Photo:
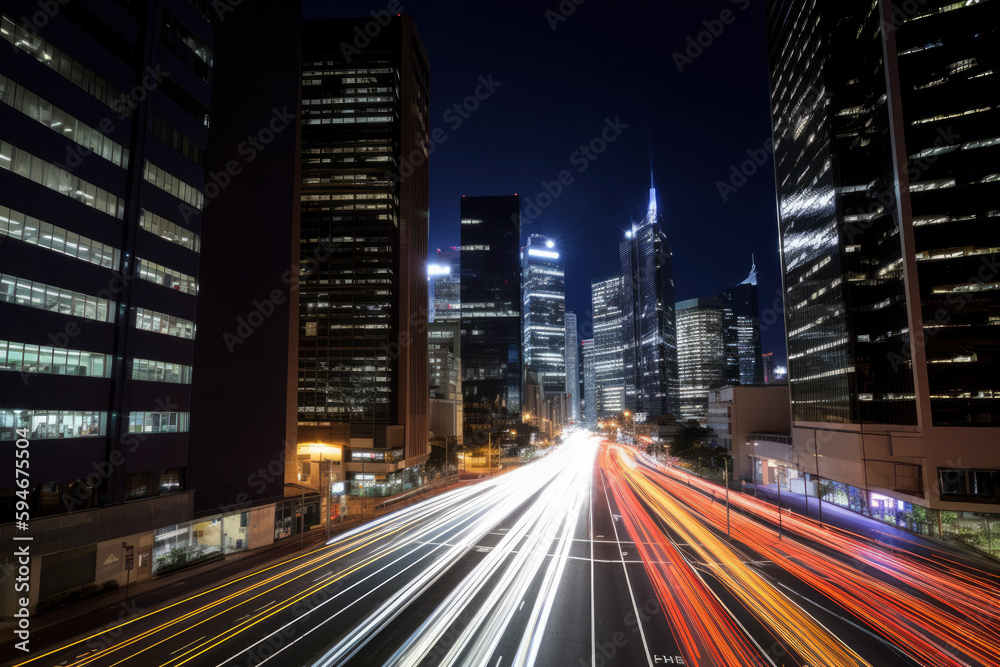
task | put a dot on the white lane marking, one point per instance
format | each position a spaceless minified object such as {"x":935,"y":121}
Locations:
{"x":521,"y":606}
{"x":265,"y":606}
{"x":593,"y":612}
{"x":628,"y":582}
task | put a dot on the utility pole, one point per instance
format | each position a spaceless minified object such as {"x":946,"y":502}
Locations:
{"x":302,"y":519}
{"x":819,"y":495}
{"x":781,"y":474}
{"x":726,"y":464}
{"x":325,"y":476}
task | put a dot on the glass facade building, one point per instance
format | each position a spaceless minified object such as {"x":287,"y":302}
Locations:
{"x":609,"y":349}
{"x":543,"y":315}
{"x":589,"y":382}
{"x":885,"y":121}
{"x":649,"y":335}
{"x":104,"y":114}
{"x":491,"y":310}
{"x":364,"y":215}
{"x":701,"y":354}
{"x":445,"y":283}
{"x":839,"y":215}
{"x":573,"y":366}
{"x":742,"y":332}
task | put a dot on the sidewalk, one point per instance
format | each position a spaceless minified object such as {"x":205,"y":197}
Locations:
{"x":99,"y":612}
{"x":845,"y":519}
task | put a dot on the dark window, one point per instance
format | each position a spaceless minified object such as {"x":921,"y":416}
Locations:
{"x":983,"y":483}
{"x":46,"y":499}
{"x":83,"y":494}
{"x":138,"y":485}
{"x":178,"y":141}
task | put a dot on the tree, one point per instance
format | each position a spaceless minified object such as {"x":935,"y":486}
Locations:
{"x":695,"y":444}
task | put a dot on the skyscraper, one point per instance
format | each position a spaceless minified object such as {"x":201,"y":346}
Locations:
{"x":491,"y":311}
{"x":767,"y":360}
{"x":543,"y":317}
{"x":742,"y":332}
{"x":363,"y":288}
{"x":884,"y":121}
{"x":589,"y":382}
{"x":445,"y":283}
{"x":573,"y":366}
{"x":701,"y":354}
{"x":649,"y":322}
{"x":104,"y":114}
{"x":609,"y":350}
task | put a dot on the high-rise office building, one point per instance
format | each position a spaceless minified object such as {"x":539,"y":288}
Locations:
{"x":104,"y":114}
{"x":884,"y":119}
{"x":701,"y":354}
{"x":589,"y":382}
{"x":649,"y":336}
{"x":767,"y":361}
{"x":445,"y":285}
{"x":742,"y":332}
{"x":363,"y":377}
{"x":572,"y":367}
{"x":543,"y":316}
{"x":491,"y":312}
{"x":609,"y":350}
{"x":445,"y":371}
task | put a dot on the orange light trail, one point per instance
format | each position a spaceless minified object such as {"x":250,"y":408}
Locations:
{"x":937,"y":611}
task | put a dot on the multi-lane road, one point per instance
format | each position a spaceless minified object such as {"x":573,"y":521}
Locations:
{"x":592,"y":555}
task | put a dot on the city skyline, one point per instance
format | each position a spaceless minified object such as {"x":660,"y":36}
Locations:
{"x":726,"y":185}
{"x":455,"y":333}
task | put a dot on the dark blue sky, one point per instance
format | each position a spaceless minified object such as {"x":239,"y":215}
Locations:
{"x":557,"y":88}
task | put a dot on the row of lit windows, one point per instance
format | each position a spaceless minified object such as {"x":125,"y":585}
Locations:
{"x":54,"y":299}
{"x":24,"y":164}
{"x":160,"y":371}
{"x":150,"y":320}
{"x":161,"y":275}
{"x":158,"y":422}
{"x":31,"y":230}
{"x":342,"y":121}
{"x":173,"y":185}
{"x":59,"y":61}
{"x":167,"y":230}
{"x":52,"y":424}
{"x":26,"y":358}
{"x":56,"y":119}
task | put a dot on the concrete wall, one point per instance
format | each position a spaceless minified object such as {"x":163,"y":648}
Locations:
{"x":874,"y":456}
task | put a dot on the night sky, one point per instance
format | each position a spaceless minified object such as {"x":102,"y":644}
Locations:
{"x":557,"y":88}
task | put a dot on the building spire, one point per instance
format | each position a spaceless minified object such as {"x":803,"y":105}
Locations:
{"x":752,"y":278}
{"x":651,"y":211}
